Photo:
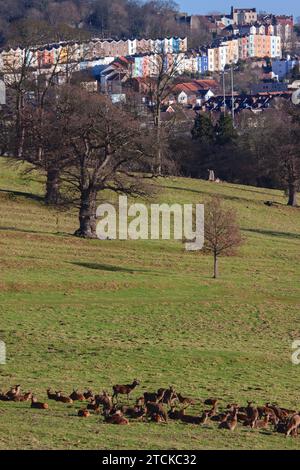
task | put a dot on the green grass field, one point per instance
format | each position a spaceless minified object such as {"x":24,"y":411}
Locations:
{"x":76,"y":313}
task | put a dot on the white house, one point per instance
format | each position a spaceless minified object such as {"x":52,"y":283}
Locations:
{"x":193,"y":97}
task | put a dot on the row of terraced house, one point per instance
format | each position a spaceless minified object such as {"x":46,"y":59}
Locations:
{"x":230,"y":50}
{"x":72,"y":51}
{"x":98,"y":52}
{"x":212,"y":58}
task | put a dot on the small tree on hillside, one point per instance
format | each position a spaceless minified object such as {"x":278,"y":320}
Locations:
{"x":221,"y":230}
{"x":203,"y":129}
{"x":225,"y":131}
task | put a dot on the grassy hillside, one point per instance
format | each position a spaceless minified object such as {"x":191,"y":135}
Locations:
{"x":78,"y":313}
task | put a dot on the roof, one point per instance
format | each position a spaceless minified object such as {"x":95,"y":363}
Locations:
{"x":195,"y":86}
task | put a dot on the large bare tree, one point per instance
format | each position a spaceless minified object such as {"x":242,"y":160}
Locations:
{"x":108,"y":150}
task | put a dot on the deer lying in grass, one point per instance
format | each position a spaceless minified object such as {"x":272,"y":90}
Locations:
{"x":212,"y":401}
{"x":231,"y":421}
{"x":26,"y":397}
{"x":214,"y":410}
{"x":124,"y":389}
{"x":83,"y":413}
{"x":3,"y":396}
{"x":88,"y":394}
{"x":77,"y":396}
{"x":173,"y":413}
{"x":157,"y":418}
{"x":204,"y":418}
{"x":116,"y":418}
{"x":220,"y":418}
{"x":135,"y":412}
{"x":93,"y":405}
{"x":52,"y":395}
{"x":13,"y":392}
{"x":263,"y":423}
{"x":185,"y":400}
{"x":190,"y":419}
{"x":63,"y":398}
{"x":38,"y":404}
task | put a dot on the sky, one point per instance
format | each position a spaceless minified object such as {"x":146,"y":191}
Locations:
{"x":286,"y":7}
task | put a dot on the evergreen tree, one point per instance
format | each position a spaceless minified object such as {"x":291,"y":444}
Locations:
{"x":225,"y":131}
{"x":203,"y":129}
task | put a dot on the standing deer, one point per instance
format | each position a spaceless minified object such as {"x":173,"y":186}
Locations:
{"x":125,"y":389}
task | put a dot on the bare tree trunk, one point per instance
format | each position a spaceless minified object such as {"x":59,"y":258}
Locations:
{"x":52,"y":187}
{"x":87,"y":215}
{"x":157,"y":170}
{"x":20,"y":131}
{"x":292,"y":191}
{"x":216,"y":266}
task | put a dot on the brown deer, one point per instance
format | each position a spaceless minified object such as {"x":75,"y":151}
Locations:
{"x":157,"y":418}
{"x":169,"y":395}
{"x":278,"y":412}
{"x":214,"y":410}
{"x":3,"y":396}
{"x":190,"y":419}
{"x":174,"y":414}
{"x":251,"y":411}
{"x":231,"y":422}
{"x":220,"y":418}
{"x":185,"y":400}
{"x":38,"y":405}
{"x":293,"y":424}
{"x":13,"y":392}
{"x":83,"y":413}
{"x":88,"y":394}
{"x":52,"y":395}
{"x":154,"y":397}
{"x":140,"y":401}
{"x":152,"y":408}
{"x":26,"y":397}
{"x":116,"y":418}
{"x":136,"y":412}
{"x":264,"y":410}
{"x":204,"y":418}
{"x":212,"y":401}
{"x":93,"y":405}
{"x":281,"y":426}
{"x":124,"y":389}
{"x":264,"y":423}
{"x":105,"y":400}
{"x":77,"y":396}
{"x":63,"y":398}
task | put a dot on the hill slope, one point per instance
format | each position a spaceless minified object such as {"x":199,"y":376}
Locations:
{"x":77,"y":314}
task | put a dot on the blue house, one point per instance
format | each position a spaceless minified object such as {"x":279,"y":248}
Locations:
{"x":202,"y":64}
{"x":283,"y":67}
{"x":176,"y":45}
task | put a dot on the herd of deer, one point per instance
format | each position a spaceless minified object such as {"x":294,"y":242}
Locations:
{"x":167,"y":404}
